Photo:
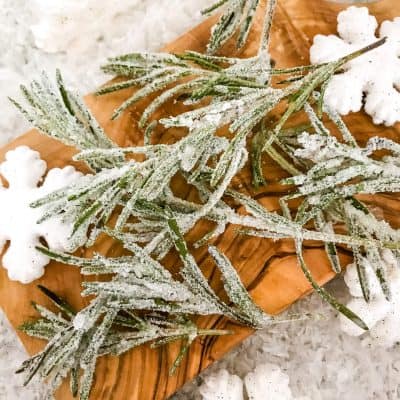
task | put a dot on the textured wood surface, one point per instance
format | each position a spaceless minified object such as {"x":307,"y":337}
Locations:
{"x":268,"y":269}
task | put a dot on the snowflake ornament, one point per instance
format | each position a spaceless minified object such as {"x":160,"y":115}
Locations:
{"x":24,"y":170}
{"x":222,"y":386}
{"x":381,"y":316}
{"x":375,"y":74}
{"x":268,"y":382}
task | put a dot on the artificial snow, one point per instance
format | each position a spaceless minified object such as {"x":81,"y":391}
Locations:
{"x":321,"y":361}
{"x":375,"y":74}
{"x":24,"y":170}
{"x":266,"y":382}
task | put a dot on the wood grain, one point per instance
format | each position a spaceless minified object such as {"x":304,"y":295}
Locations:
{"x":269,"y":269}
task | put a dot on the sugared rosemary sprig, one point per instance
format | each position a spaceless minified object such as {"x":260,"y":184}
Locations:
{"x":145,"y":303}
{"x":77,"y":339}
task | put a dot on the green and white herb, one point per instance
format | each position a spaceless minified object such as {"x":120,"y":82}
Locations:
{"x":143,"y":302}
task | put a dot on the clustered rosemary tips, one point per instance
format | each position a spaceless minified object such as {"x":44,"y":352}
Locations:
{"x":238,"y":16}
{"x":143,"y":302}
{"x":77,"y":339}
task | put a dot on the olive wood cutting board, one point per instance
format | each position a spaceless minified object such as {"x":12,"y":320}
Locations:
{"x":268,"y":269}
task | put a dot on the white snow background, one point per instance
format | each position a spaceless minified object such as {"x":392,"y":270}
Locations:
{"x":77,"y":36}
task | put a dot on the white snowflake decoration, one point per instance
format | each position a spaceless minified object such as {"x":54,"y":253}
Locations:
{"x":381,"y":316}
{"x":24,"y":170}
{"x":268,"y":382}
{"x":375,"y":75}
{"x":222,"y":386}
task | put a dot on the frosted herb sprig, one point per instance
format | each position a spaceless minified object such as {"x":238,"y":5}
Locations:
{"x":343,"y":170}
{"x":92,"y":200}
{"x":62,"y":115}
{"x":204,"y":76}
{"x":336,"y":171}
{"x":139,"y":284}
{"x":77,"y":339}
{"x":240,"y":93}
{"x":160,"y":217}
{"x":142,"y":283}
{"x":339,"y":172}
{"x":121,"y":181}
{"x":143,"y":302}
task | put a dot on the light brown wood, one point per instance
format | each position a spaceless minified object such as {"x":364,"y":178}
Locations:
{"x":269,"y":269}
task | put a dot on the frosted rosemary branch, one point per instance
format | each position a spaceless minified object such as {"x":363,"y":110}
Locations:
{"x":204,"y":75}
{"x":77,"y":339}
{"x":340,"y":171}
{"x":139,"y":284}
{"x":62,"y":115}
{"x":142,"y":283}
{"x":240,"y":91}
{"x":142,"y":190}
{"x":316,"y":79}
{"x":143,"y":302}
{"x":335,"y":172}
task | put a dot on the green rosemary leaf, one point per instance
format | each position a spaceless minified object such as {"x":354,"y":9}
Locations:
{"x":155,"y":85}
{"x":215,"y":6}
{"x":256,"y":153}
{"x":88,"y":360}
{"x":59,"y":302}
{"x":237,"y":293}
{"x":247,"y":22}
{"x":362,"y":274}
{"x":324,"y":294}
{"x":330,"y":247}
{"x":229,"y":21}
{"x":41,"y":328}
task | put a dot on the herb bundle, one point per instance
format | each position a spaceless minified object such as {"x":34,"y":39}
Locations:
{"x":143,"y":302}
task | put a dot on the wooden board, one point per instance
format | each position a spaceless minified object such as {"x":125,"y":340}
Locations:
{"x":268,"y":269}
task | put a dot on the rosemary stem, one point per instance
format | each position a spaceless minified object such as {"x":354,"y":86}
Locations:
{"x":293,"y":70}
{"x":363,"y":50}
{"x":283,"y":163}
{"x":213,"y":7}
{"x":214,"y":332}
